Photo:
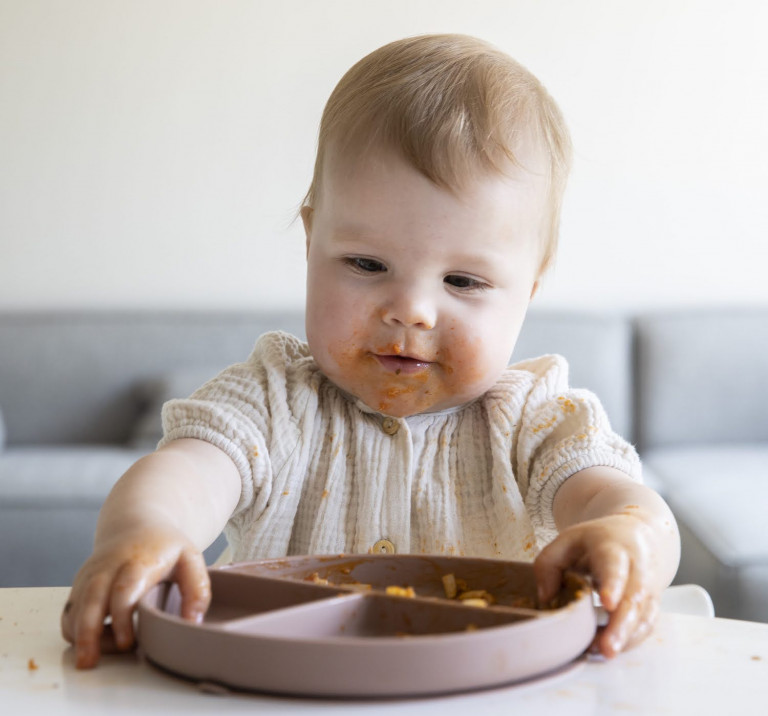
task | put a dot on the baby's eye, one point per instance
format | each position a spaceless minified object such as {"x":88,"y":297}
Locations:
{"x":464,"y":283}
{"x":365,"y":265}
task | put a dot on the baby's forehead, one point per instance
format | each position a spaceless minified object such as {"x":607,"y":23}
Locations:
{"x":528,"y":169}
{"x":370,"y":199}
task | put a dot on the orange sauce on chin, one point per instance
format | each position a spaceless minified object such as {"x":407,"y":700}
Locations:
{"x":401,"y":394}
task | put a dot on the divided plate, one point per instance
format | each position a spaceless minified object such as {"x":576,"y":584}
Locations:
{"x":326,"y":626}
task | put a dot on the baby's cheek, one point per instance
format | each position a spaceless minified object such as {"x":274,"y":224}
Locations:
{"x":345,"y":353}
{"x":466,"y":366}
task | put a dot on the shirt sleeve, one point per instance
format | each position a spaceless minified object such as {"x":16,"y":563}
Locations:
{"x":238,"y":411}
{"x":562,"y":430}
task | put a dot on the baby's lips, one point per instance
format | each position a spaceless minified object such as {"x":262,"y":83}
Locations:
{"x":402,"y":365}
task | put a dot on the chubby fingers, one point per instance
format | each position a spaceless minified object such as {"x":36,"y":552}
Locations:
{"x":552,"y":562}
{"x":611,"y":568}
{"x":117,"y":592}
{"x":632,"y":607}
{"x":618,"y":580}
{"x":191,"y":574}
{"x":83,"y":620}
{"x":621,"y":580}
{"x":136,"y":578}
{"x":630,"y":621}
{"x":131,"y":583}
{"x":605,"y":561}
{"x":646,"y":623}
{"x":67,"y":630}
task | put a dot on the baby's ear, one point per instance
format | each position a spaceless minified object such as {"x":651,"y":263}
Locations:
{"x":306,"y":218}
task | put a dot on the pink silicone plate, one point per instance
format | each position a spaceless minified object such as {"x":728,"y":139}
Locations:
{"x":327,"y":626}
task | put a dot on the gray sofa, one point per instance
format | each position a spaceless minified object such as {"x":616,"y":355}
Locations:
{"x":80,"y":395}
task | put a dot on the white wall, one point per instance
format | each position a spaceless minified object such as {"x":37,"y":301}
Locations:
{"x":152,"y":152}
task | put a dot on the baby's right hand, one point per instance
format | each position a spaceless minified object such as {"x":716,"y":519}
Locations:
{"x":112,"y":581}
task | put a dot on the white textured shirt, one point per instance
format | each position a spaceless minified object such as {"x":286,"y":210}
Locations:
{"x":322,"y":473}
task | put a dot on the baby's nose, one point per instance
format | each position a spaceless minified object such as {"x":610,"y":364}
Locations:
{"x":411,"y":309}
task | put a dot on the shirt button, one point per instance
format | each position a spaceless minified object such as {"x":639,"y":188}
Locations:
{"x":383,"y":546}
{"x":390,"y":426}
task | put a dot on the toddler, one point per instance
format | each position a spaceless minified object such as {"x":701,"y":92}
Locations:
{"x":398,"y":427}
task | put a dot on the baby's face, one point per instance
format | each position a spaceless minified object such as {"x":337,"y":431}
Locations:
{"x":416,"y":296}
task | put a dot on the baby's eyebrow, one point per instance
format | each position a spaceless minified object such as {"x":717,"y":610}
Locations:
{"x":352,"y":239}
{"x":353,"y":232}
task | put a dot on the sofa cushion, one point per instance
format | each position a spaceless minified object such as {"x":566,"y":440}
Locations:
{"x":61,"y":475}
{"x":176,"y":384}
{"x":71,"y":377}
{"x":598,"y":348}
{"x":720,"y":494}
{"x":702,"y":377}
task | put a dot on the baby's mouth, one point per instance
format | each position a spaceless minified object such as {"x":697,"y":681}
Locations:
{"x":402,"y":365}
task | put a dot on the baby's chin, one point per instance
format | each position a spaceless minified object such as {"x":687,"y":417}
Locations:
{"x":401,"y":396}
{"x":405,"y":406}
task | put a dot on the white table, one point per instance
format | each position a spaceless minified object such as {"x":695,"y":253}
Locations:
{"x":690,"y":665}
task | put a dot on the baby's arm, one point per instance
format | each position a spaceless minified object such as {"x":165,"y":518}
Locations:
{"x":153,"y":526}
{"x":624,"y":535}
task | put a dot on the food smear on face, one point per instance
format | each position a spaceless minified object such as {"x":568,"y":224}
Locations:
{"x":391,"y":393}
{"x":401,"y":379}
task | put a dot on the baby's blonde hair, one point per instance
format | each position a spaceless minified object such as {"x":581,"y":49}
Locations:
{"x":454,"y":106}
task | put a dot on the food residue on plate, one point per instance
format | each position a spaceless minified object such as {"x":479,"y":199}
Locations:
{"x":449,"y":586}
{"x":317,"y":579}
{"x":455,"y":589}
{"x":395,"y":591}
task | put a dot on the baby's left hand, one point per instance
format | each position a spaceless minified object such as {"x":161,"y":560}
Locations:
{"x":617,"y":552}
